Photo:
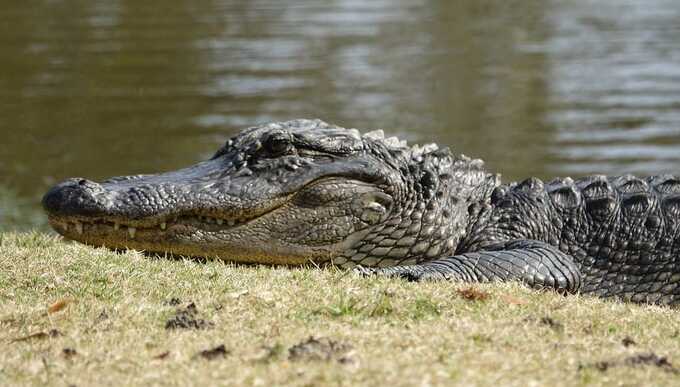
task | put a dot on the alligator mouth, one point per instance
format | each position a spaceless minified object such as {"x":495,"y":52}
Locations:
{"x":119,"y":228}
{"x":85,"y":226}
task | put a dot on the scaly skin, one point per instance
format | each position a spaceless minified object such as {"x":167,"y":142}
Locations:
{"x":306,"y":191}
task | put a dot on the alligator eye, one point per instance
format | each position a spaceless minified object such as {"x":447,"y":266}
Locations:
{"x":278,"y":144}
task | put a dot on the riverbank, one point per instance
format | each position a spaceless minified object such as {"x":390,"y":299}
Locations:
{"x":74,"y":315}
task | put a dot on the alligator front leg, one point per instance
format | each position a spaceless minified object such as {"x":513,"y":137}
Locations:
{"x":535,"y":263}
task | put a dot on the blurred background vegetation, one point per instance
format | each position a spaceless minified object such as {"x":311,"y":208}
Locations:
{"x":99,"y":88}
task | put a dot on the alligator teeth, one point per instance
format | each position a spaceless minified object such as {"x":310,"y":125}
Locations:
{"x":132,"y":231}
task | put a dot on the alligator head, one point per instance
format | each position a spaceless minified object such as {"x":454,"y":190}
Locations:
{"x":284,"y":193}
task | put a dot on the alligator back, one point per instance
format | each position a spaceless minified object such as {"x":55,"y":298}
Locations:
{"x":623,"y":232}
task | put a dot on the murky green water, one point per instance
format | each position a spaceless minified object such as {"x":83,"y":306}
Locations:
{"x":108,"y":87}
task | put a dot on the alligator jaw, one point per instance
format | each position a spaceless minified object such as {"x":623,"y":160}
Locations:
{"x":82,"y":228}
{"x":163,"y":234}
{"x":191,"y":236}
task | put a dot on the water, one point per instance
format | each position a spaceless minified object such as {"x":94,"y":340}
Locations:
{"x":108,"y":87}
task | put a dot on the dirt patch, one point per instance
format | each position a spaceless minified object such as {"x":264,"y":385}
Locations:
{"x":98,"y":323}
{"x":320,"y":349}
{"x":187,"y":318}
{"x":628,"y":342}
{"x":213,"y":353}
{"x":552,"y":323}
{"x":174,"y":301}
{"x":653,"y":360}
{"x":69,"y":353}
{"x":101,"y":317}
{"x":641,"y":359}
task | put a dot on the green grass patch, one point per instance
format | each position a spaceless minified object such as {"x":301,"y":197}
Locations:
{"x":71,"y":314}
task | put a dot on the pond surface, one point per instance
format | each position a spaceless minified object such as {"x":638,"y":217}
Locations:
{"x":99,"y":88}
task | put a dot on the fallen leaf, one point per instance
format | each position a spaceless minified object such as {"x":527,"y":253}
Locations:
{"x":162,"y":355}
{"x":57,"y":306}
{"x":472,"y":294}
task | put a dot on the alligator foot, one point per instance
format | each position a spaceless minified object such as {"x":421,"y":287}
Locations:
{"x":537,"y":264}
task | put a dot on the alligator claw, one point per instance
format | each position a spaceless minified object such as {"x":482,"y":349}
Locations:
{"x":416,"y":274}
{"x":408,"y":275}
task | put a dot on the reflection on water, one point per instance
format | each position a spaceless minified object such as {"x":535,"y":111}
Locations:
{"x":615,"y":86}
{"x":99,"y":88}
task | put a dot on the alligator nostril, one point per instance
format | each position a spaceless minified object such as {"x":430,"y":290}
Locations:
{"x":73,"y":197}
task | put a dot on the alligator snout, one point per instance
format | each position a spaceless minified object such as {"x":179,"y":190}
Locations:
{"x":74,"y":197}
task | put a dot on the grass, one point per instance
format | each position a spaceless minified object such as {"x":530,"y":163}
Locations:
{"x":74,"y":315}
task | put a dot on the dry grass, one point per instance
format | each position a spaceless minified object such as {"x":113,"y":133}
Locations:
{"x":73,"y":315}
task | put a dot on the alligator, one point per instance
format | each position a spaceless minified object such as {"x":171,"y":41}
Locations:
{"x":305,"y":191}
